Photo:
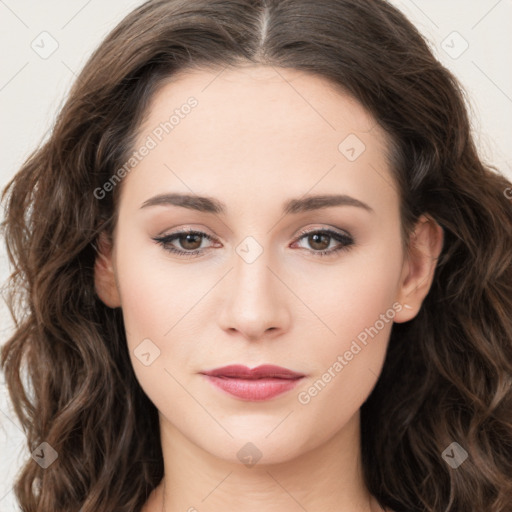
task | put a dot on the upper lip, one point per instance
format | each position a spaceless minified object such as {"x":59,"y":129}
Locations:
{"x":260,"y":372}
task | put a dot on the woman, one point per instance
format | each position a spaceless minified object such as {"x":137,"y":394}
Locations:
{"x":262,"y":266}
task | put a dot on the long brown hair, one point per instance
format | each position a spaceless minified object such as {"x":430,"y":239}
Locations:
{"x":448,"y":372}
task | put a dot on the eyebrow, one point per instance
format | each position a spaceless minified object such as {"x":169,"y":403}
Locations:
{"x":292,"y":206}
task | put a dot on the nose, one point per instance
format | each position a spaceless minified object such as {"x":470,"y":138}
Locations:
{"x":255,"y":301}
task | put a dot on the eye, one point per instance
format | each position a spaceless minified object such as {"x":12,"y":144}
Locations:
{"x":320,"y":241}
{"x":188,"y":239}
{"x":190,"y":242}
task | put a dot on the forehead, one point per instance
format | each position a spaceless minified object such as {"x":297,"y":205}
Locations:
{"x":258,"y":127}
{"x":264,"y":97}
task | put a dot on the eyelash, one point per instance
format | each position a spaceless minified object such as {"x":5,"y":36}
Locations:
{"x":346,"y":240}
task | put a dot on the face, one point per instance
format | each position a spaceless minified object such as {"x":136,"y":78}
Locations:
{"x":269,"y":275}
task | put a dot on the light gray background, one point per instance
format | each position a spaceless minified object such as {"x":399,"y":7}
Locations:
{"x":32,"y":89}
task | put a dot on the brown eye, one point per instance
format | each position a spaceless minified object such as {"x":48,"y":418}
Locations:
{"x":319,"y":241}
{"x":190,"y":241}
{"x":184,"y":243}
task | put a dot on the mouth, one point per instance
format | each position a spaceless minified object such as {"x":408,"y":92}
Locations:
{"x":257,"y":384}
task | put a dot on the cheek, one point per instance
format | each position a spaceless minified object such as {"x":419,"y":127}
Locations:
{"x":155,"y":292}
{"x":351,"y":296}
{"x":151,"y":313}
{"x":155,"y":301}
{"x":358,"y":307}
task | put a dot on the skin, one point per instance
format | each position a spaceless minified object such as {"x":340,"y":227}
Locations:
{"x":258,"y":137}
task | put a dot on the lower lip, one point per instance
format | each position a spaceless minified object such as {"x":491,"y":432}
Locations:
{"x":253,"y":389}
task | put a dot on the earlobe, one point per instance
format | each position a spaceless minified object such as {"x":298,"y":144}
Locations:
{"x":425,"y":246}
{"x":104,"y":277}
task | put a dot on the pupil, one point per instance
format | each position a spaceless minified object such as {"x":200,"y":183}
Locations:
{"x":316,"y":239}
{"x":190,"y":239}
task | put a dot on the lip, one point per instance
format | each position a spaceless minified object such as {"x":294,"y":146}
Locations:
{"x":256,"y":384}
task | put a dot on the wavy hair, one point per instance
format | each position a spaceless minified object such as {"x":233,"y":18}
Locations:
{"x":447,"y":376}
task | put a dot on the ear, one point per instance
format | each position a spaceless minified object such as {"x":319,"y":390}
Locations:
{"x":425,"y":245}
{"x":104,"y":277}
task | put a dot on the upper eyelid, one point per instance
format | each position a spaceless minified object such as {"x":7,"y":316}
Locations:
{"x":300,"y":233}
{"x":329,"y":229}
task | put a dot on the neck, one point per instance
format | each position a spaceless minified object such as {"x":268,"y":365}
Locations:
{"x":328,"y":478}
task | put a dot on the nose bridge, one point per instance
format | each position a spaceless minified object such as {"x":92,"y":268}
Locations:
{"x":251,"y":273}
{"x":254,"y":297}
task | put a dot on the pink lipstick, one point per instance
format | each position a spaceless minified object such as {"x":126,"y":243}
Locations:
{"x":260,"y":383}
